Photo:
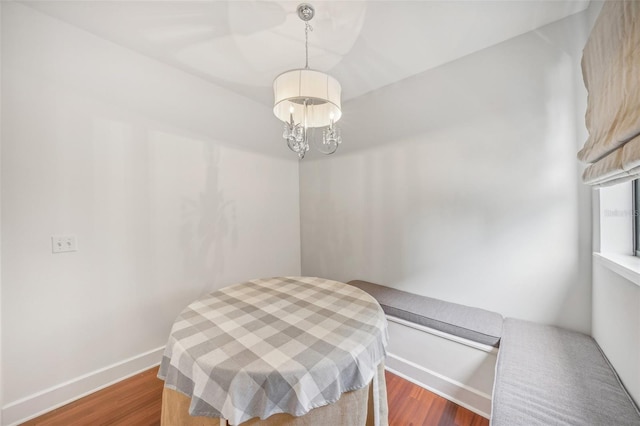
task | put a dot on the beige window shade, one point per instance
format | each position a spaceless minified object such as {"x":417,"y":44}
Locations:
{"x":611,"y":71}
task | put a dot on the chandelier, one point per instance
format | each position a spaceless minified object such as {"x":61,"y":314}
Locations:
{"x":306,"y":100}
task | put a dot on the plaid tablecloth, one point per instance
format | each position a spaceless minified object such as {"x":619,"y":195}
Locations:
{"x":276,"y":345}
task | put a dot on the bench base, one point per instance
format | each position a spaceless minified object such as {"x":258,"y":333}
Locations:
{"x":455,"y":368}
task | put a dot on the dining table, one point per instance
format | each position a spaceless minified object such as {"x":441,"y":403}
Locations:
{"x":277,"y":351}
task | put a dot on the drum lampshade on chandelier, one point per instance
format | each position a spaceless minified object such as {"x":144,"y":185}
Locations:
{"x":307,"y":99}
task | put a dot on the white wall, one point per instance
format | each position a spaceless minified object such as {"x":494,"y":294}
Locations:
{"x":616,"y":324}
{"x":1,"y":376}
{"x":163,"y":180}
{"x":461,"y":183}
{"x":616,"y":284}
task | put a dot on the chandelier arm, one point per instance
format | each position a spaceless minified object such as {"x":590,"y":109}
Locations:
{"x":306,"y":101}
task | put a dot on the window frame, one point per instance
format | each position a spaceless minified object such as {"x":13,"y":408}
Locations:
{"x":635,"y":194}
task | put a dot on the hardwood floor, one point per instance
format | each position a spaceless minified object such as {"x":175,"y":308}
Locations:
{"x":411,"y":405}
{"x":134,"y":401}
{"x":137,"y":402}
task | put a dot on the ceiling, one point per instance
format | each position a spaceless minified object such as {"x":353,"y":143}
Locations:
{"x":243,"y":45}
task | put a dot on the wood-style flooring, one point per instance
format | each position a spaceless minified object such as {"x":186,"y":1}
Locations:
{"x":137,"y":401}
{"x":412,"y":405}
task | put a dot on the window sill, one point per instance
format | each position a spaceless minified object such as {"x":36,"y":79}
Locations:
{"x":625,"y":265}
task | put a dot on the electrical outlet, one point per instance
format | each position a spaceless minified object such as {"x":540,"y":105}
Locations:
{"x":63,"y":243}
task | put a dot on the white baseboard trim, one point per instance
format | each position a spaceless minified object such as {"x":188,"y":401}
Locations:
{"x":465,"y":396}
{"x":49,"y":399}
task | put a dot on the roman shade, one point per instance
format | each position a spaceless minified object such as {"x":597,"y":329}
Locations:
{"x":611,"y":72}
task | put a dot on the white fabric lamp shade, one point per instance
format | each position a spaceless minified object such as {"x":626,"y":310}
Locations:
{"x":291,"y":88}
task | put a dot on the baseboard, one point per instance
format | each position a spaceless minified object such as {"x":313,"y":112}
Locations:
{"x":472,"y":399}
{"x":56,"y":396}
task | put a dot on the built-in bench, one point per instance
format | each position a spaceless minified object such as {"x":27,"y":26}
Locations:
{"x":547,"y":375}
{"x":445,"y":347}
{"x":544,"y":375}
{"x":467,"y":322}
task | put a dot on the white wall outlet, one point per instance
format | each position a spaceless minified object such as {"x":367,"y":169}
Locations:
{"x":63,"y":243}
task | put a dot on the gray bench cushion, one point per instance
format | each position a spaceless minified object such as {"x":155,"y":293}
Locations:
{"x":551,"y":376}
{"x":464,"y":321}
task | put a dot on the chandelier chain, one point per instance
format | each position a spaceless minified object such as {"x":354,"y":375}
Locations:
{"x":307,"y":28}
